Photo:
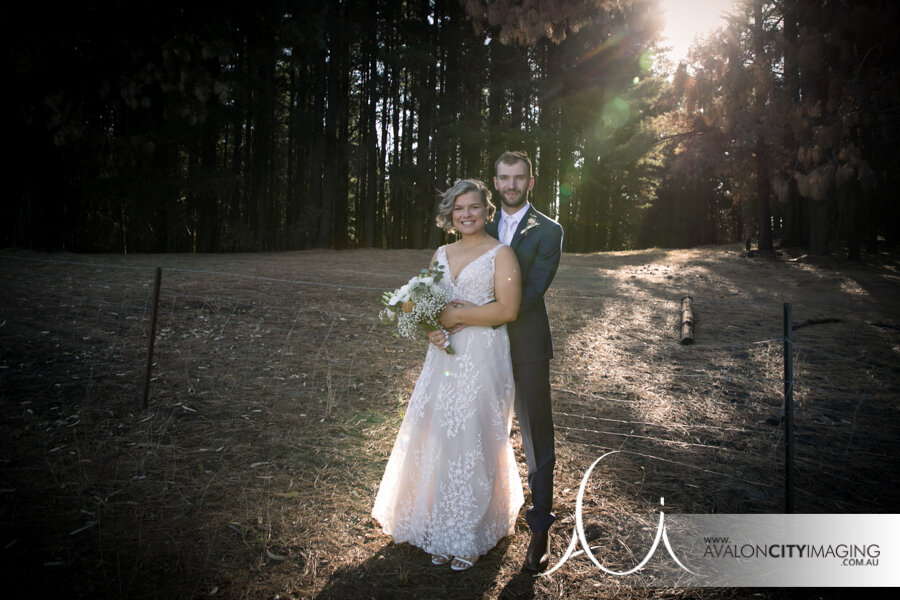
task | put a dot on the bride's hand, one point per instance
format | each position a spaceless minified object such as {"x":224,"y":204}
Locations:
{"x":457,"y":328}
{"x":449,"y":316}
{"x":439,"y":337}
{"x":462,"y":304}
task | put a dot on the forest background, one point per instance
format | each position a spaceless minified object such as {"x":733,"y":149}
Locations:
{"x":218,"y":127}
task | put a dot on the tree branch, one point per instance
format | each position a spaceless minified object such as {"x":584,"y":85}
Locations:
{"x":682,"y":135}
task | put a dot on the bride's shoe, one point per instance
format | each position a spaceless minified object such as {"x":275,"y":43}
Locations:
{"x":461,"y":564}
{"x":439,"y":559}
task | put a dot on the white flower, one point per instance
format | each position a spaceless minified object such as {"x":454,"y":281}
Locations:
{"x":401,"y":295}
{"x":387,"y":315}
{"x":532,"y":222}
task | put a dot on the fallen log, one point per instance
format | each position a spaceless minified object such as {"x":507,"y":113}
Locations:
{"x":687,"y":320}
{"x":884,"y":325}
{"x":816,"y":322}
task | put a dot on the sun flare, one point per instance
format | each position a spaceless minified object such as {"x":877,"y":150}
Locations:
{"x":686,"y":19}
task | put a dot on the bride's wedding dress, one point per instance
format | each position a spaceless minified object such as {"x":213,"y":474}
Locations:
{"x":451,"y":485}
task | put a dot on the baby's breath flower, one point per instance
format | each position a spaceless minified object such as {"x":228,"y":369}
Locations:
{"x":417,"y":305}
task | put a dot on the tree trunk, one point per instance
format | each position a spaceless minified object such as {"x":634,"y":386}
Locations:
{"x":497,"y":103}
{"x":763,"y":185}
{"x":792,"y":231}
{"x":370,"y":139}
{"x":813,"y":87}
{"x":848,"y":205}
{"x":262,"y":150}
{"x":341,"y":233}
{"x":794,"y":218}
{"x":332,"y":153}
{"x":763,"y":193}
{"x":548,"y":176}
{"x":320,"y":229}
{"x":206,"y":221}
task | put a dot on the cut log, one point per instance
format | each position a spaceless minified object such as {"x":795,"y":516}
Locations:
{"x":884,"y":325}
{"x":687,"y":320}
{"x":816,"y":322}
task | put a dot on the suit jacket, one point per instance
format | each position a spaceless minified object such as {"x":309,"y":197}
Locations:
{"x":538,"y":246}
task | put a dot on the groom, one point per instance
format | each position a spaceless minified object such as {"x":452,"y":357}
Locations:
{"x":537,"y":242}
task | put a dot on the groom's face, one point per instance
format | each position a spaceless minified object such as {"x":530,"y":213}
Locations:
{"x":513,"y":182}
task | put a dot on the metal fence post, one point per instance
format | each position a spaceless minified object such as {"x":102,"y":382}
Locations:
{"x":152,"y":336}
{"x":788,"y":412}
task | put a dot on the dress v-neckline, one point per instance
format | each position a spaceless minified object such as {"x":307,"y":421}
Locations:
{"x":455,"y":278}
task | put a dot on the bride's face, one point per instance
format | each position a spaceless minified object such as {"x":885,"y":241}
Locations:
{"x":469,"y":213}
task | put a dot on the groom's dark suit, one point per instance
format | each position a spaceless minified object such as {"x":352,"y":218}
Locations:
{"x":538,"y":246}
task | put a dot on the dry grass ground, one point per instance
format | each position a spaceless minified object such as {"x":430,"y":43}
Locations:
{"x":276,"y":396}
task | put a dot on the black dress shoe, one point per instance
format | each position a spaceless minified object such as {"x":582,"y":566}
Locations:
{"x":538,"y":555}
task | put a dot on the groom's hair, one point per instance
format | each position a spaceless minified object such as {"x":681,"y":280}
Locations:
{"x":511,"y":157}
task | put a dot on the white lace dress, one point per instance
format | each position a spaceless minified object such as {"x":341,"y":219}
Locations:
{"x":451,"y":485}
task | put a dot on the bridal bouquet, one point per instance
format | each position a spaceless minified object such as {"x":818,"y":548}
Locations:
{"x":417,"y":305}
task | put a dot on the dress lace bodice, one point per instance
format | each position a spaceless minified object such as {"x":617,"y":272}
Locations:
{"x":476,"y":280}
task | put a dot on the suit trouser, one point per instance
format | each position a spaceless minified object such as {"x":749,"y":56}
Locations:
{"x":536,"y":427}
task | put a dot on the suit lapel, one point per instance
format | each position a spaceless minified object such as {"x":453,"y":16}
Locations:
{"x":517,"y":238}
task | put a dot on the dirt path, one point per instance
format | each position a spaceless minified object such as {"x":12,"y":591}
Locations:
{"x":276,"y":396}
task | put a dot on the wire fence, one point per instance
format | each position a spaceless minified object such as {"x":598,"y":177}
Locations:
{"x":705,"y":422}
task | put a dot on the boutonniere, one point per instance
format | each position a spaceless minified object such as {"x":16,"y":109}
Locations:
{"x":532,"y":222}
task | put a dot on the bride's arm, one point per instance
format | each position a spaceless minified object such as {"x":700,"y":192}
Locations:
{"x":507,"y":291}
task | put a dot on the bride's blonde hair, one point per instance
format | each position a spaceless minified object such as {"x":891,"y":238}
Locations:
{"x":447,"y":198}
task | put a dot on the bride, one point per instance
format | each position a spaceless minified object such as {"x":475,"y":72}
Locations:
{"x":451,"y":486}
